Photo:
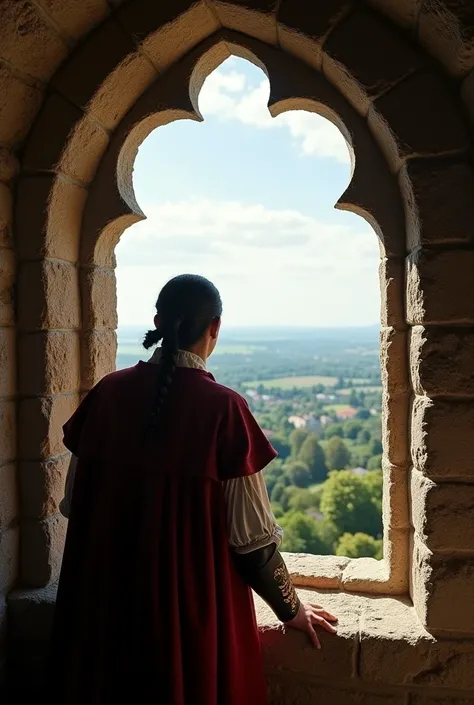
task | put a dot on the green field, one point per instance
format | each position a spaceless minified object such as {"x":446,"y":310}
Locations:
{"x":293,"y":382}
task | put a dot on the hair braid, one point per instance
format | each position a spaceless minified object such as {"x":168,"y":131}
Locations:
{"x":166,"y":368}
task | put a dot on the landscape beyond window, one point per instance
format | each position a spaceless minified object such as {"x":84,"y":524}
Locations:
{"x":300,"y":338}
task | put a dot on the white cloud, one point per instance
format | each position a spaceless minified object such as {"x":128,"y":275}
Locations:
{"x":272,"y":265}
{"x":226,"y":95}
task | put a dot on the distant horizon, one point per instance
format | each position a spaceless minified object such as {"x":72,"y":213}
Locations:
{"x":254,"y":326}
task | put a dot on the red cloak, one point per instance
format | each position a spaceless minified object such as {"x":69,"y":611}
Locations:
{"x":150,"y":608}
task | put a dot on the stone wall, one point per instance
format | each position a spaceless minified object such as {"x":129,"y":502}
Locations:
{"x":81,"y":85}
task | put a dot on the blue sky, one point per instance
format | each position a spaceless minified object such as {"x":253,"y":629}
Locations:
{"x":248,"y":201}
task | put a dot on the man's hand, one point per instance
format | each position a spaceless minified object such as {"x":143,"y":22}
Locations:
{"x":311,"y":616}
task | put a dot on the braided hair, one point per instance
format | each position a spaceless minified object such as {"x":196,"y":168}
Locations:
{"x":186,"y":307}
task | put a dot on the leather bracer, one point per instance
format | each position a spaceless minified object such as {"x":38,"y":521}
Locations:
{"x":264,"y":570}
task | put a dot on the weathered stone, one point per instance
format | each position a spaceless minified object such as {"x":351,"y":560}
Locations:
{"x":9,"y":554}
{"x":42,"y":486}
{"x":404,"y":12}
{"x":28,"y":42}
{"x":99,"y":298}
{"x":9,"y":169}
{"x":366,"y":575}
{"x":75,"y":143}
{"x":321,"y":572}
{"x":117,"y":75}
{"x":443,"y":590}
{"x":441,"y":361}
{"x":428,"y":698}
{"x":392,"y":293}
{"x":446,"y":30}
{"x":303,"y":34}
{"x":166,"y":31}
{"x":295,"y":692}
{"x":6,"y":216}
{"x":394,"y":361}
{"x":442,"y":514}
{"x":49,"y":363}
{"x":395,"y":497}
{"x":8,"y":495}
{"x":99,"y":351}
{"x":7,"y":278}
{"x":76,"y":18}
{"x":19,"y":104}
{"x":41,"y":421}
{"x":442,"y":438}
{"x":467,"y":93}
{"x":42,"y":544}
{"x":440,"y":287}
{"x":51,"y":224}
{"x":396,"y":556}
{"x":401,"y":136}
{"x":7,"y":431}
{"x":7,"y":362}
{"x":364,"y":57}
{"x":395,"y":415}
{"x":438,"y":200}
{"x":48,"y":296}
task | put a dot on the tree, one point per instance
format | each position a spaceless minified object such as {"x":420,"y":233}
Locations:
{"x":375,"y":463}
{"x":297,"y":438}
{"x":337,"y":454}
{"x":376,"y":447}
{"x":352,"y":429}
{"x":359,"y":545}
{"x":348,"y":503}
{"x":363,"y":414}
{"x":301,"y":500}
{"x":363,"y":437}
{"x":299,"y":473}
{"x":304,"y":534}
{"x":277,"y":492}
{"x":281,"y":446}
{"x":334,"y":429}
{"x":312,"y":454}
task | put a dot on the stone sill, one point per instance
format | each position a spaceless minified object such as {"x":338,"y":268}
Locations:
{"x":339,"y":573}
{"x":380,"y":646}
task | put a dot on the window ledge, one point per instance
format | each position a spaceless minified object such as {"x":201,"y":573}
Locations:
{"x":380,"y":645}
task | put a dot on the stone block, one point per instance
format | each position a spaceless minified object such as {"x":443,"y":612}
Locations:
{"x":367,"y":575}
{"x":99,"y":351}
{"x":404,"y":12}
{"x":441,"y":361}
{"x":42,"y":486}
{"x":442,"y":438}
{"x":397,"y":560}
{"x":401,"y":136}
{"x":257,"y":18}
{"x":19,"y":104}
{"x":8,"y":495}
{"x":467,"y":93}
{"x":75,"y":143}
{"x":395,"y":437}
{"x":48,"y":217}
{"x":427,"y":698}
{"x":293,"y":691}
{"x":76,"y":18}
{"x":443,"y":590}
{"x":302,"y":34}
{"x":28,"y":42}
{"x":99,"y":298}
{"x":48,"y":296}
{"x":7,"y":279}
{"x":42,"y":544}
{"x":40,"y":425}
{"x":365,"y":56}
{"x":9,"y":167}
{"x":395,"y":496}
{"x":49,"y":363}
{"x":445,"y":29}
{"x":396,"y":650}
{"x":439,"y":206}
{"x":394,"y":361}
{"x":440,"y":287}
{"x":7,"y":362}
{"x":6,"y":216}
{"x":9,"y":554}
{"x":117,"y":75}
{"x":442,"y":514}
{"x":7,"y":431}
{"x":392,"y":292}
{"x":167,"y":31}
{"x":321,"y":572}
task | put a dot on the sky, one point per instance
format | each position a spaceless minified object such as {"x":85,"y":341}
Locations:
{"x":247,"y":200}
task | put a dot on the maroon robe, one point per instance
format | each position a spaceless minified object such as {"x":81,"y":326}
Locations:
{"x":150,"y":608}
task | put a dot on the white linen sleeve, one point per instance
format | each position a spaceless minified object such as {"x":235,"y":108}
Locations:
{"x":65,"y":504}
{"x":250,"y":520}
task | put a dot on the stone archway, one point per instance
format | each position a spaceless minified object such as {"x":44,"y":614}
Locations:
{"x":65,"y":286}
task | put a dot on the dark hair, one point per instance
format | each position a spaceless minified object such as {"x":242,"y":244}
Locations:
{"x":186,"y":306}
